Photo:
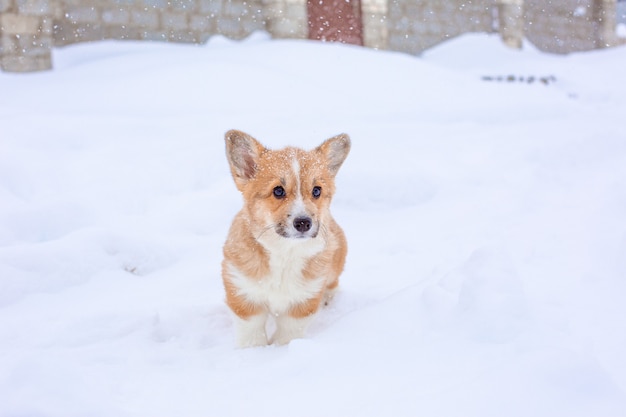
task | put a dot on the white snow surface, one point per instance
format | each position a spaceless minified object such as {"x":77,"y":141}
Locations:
{"x":486,"y":224}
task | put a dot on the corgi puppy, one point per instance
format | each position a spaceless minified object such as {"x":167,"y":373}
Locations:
{"x":284,"y":251}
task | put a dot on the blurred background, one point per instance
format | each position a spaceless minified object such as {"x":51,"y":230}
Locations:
{"x":31,"y":29}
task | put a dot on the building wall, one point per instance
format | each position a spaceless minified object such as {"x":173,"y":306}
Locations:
{"x":416,"y":25}
{"x":561,"y":26}
{"x":375,"y":30}
{"x":162,"y":20}
{"x":30,"y":29}
{"x":571,"y":25}
{"x":25,"y":35}
{"x":286,"y":18}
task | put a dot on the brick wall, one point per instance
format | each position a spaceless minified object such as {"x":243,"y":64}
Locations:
{"x":25,"y":35}
{"x":163,"y":20}
{"x":286,"y":18}
{"x":29,"y":29}
{"x":557,"y":26}
{"x":416,"y":25}
{"x":571,"y":25}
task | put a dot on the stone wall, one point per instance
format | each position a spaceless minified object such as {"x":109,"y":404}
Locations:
{"x":561,"y":26}
{"x":286,"y":18}
{"x":29,"y":29}
{"x":571,"y":25}
{"x":163,"y":20}
{"x":375,"y":30}
{"x":25,"y":35}
{"x":416,"y":25}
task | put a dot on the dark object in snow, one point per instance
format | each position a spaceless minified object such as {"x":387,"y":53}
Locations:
{"x":546,"y":80}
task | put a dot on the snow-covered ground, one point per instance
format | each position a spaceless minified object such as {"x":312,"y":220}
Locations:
{"x":486,"y":222}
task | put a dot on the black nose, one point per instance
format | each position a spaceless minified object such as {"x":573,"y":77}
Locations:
{"x":302,"y":224}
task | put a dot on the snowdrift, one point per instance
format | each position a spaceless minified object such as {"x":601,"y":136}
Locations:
{"x":485,"y":220}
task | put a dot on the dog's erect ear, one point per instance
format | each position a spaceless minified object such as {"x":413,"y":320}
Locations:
{"x":335,"y":150}
{"x":243,"y":152}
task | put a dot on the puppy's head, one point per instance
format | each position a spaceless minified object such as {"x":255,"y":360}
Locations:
{"x":286,"y":192}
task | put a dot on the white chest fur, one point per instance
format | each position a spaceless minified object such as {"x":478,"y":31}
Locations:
{"x":285,"y":285}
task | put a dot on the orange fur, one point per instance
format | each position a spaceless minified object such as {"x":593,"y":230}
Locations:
{"x":271,"y":264}
{"x":238,"y":304}
{"x":307,"y":308}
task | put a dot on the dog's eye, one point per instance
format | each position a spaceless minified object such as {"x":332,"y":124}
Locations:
{"x":317,"y":192}
{"x":279,"y":192}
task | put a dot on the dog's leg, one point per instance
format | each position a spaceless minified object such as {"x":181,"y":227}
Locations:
{"x":288,"y":328}
{"x":251,"y":331}
{"x":293,"y":324}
